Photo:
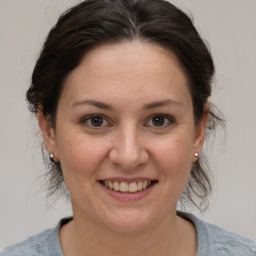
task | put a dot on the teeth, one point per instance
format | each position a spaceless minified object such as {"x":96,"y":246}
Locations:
{"x":125,"y":187}
{"x":116,"y":186}
{"x":110,"y":185}
{"x":133,"y":187}
{"x":144,"y":184}
{"x":139,"y":186}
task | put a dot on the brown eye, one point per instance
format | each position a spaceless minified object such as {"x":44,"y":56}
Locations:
{"x":158,"y":121}
{"x":96,"y":121}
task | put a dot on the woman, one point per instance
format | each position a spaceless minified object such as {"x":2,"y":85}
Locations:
{"x":121,"y":93}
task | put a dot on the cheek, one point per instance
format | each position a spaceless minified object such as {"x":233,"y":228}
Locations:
{"x":80,"y":160}
{"x":80,"y":155}
{"x":174,"y":156}
{"x":172,"y":159}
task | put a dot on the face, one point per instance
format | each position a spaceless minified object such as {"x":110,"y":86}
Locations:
{"x":125,"y":136}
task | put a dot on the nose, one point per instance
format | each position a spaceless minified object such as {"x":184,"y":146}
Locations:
{"x":128,"y":149}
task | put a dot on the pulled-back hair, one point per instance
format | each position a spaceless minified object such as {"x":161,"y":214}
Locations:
{"x":96,"y":22}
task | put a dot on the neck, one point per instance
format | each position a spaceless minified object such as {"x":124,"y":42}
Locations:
{"x":173,"y":236}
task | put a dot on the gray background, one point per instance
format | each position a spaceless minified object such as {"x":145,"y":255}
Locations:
{"x":228,"y":25}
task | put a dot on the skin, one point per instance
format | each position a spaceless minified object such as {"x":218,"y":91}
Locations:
{"x":127,"y":77}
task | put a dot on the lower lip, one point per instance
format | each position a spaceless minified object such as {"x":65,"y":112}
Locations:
{"x":122,"y":196}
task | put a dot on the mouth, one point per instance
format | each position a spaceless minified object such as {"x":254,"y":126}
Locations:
{"x":128,"y":187}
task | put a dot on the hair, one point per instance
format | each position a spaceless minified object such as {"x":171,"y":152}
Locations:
{"x":95,"y":22}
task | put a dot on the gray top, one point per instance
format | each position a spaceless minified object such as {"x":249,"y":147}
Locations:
{"x":212,"y":241}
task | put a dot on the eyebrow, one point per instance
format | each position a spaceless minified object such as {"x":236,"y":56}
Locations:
{"x":94,"y":103}
{"x":149,"y":106}
{"x":161,"y":103}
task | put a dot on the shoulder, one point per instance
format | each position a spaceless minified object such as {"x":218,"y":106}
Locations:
{"x":45,"y":243}
{"x":227,"y":243}
{"x":35,"y":245}
{"x":213,"y":240}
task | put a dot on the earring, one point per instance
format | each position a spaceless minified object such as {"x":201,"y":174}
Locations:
{"x":196,"y":154}
{"x":52,"y":156}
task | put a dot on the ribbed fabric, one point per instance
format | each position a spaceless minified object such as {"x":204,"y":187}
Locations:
{"x":43,"y":244}
{"x":212,"y":241}
{"x":215,"y":241}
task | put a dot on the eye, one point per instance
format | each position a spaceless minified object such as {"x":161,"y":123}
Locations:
{"x":95,"y":121}
{"x":160,"y":120}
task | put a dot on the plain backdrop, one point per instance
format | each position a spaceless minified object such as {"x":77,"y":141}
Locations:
{"x":228,"y":26}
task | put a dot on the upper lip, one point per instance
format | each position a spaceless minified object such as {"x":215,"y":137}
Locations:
{"x":128,"y":180}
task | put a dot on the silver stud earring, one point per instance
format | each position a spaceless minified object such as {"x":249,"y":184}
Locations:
{"x":52,"y":156}
{"x":196,"y":154}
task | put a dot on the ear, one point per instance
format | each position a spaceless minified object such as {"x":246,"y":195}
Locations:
{"x":48,"y":134}
{"x":200,"y":132}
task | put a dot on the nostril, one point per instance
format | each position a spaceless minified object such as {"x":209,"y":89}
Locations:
{"x":128,"y":154}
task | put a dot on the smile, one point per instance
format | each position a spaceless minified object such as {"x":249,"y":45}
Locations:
{"x":126,"y":187}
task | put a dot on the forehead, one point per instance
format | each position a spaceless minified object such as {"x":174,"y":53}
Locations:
{"x":127,"y":69}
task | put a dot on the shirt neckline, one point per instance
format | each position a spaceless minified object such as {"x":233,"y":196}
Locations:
{"x":201,"y":231}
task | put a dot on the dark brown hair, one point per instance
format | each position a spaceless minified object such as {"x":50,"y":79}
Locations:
{"x":96,"y":22}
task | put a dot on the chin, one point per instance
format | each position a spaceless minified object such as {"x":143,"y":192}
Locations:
{"x":130,"y":222}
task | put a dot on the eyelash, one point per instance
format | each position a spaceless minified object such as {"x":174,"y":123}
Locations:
{"x":88,"y":118}
{"x":168,"y":118}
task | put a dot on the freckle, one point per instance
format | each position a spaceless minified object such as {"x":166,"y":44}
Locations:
{"x":69,"y":143}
